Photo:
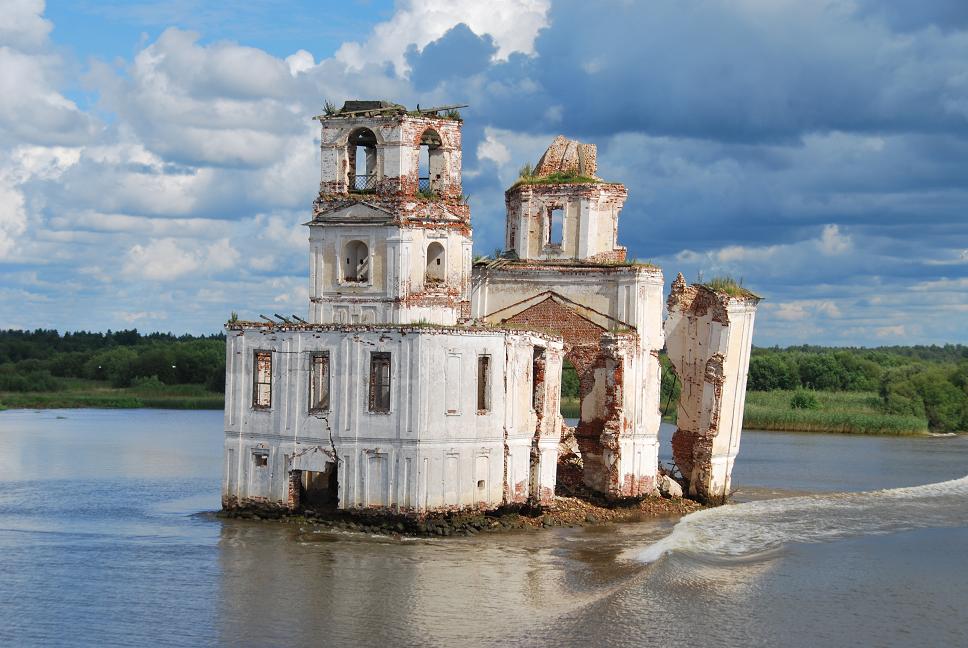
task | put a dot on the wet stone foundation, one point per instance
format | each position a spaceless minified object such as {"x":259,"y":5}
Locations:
{"x":565,"y":511}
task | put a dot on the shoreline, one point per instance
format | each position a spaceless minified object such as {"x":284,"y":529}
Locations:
{"x":752,"y":421}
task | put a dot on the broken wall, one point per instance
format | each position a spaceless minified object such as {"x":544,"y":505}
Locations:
{"x":610,"y":320}
{"x":708,"y":338}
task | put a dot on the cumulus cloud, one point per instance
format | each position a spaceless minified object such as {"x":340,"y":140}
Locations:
{"x":815,"y":150}
{"x":512,"y":24}
{"x":24,"y":26}
{"x":167,"y":259}
{"x":32,"y":110}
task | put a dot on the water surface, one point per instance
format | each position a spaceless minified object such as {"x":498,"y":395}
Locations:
{"x":101,"y":543}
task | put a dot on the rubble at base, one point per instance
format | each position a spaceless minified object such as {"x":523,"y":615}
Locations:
{"x":565,"y":512}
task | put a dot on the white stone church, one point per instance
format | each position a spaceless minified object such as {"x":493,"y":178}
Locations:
{"x":423,"y":381}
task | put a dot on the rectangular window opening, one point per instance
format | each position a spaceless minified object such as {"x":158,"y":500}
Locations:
{"x":483,"y":384}
{"x":319,"y":382}
{"x":262,"y":380}
{"x":260,"y":460}
{"x":556,"y":221}
{"x":379,"y":382}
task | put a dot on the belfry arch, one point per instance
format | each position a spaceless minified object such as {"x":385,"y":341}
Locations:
{"x":431,"y":163}
{"x":362,"y":156}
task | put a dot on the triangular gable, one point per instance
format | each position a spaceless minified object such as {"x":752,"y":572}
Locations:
{"x":597,"y":318}
{"x":356,"y":212}
{"x":555,"y":315}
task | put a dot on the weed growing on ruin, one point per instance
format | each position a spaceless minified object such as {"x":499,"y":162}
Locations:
{"x":727,"y":285}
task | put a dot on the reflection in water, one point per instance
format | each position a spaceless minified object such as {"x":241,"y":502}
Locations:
{"x":102,"y":543}
{"x":381,"y":591}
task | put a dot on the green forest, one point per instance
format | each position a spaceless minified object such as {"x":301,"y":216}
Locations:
{"x":895,"y":390}
{"x":884,"y":390}
{"x":44,"y":368}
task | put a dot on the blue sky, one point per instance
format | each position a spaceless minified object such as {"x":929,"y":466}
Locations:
{"x":156,"y":158}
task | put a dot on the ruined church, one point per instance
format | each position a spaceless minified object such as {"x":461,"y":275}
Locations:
{"x":424,"y":380}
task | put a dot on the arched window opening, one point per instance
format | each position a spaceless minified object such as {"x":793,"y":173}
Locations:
{"x":356,"y":262}
{"x":361,"y":152}
{"x":436,"y":265}
{"x":430,"y":163}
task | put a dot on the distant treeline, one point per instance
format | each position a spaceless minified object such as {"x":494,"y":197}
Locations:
{"x":40,"y":360}
{"x":925,"y":381}
{"x":928,"y":382}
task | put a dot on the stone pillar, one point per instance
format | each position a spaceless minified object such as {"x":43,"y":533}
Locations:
{"x":708,"y":335}
{"x":547,"y":435}
{"x":295,"y":482}
{"x":618,"y":453}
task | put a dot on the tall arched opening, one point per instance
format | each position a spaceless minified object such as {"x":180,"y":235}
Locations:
{"x":356,"y":262}
{"x":361,"y":152}
{"x":436,"y":264}
{"x":430,"y":163}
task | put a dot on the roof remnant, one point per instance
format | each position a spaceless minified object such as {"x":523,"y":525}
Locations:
{"x":568,"y":157}
{"x":372,"y":108}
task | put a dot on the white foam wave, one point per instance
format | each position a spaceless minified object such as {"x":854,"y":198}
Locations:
{"x":755,"y":527}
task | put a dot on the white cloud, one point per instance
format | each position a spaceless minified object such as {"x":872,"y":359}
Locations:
{"x":221,"y":104}
{"x":491,"y":148}
{"x":301,"y":61}
{"x":798,"y":310}
{"x":513,"y":24}
{"x":132,"y":317}
{"x":23,"y":25}
{"x":167,"y":259}
{"x":31,"y":108}
{"x":13,"y":217}
{"x":832,"y":242}
{"x":890,"y":331}
{"x":791,"y":312}
{"x":735,"y":259}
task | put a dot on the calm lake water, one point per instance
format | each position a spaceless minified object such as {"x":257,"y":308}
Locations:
{"x":102,"y":543}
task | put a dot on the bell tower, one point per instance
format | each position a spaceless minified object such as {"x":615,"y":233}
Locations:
{"x":390,"y":237}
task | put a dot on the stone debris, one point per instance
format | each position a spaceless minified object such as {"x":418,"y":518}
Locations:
{"x":669,"y":487}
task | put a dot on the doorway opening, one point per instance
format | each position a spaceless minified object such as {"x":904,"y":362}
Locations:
{"x":320,"y":489}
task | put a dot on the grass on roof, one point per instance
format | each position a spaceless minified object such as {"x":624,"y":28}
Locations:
{"x":554,"y":178}
{"x":729,"y":286}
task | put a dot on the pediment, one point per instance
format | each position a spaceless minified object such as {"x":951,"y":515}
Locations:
{"x":358,"y":212}
{"x":548,"y":302}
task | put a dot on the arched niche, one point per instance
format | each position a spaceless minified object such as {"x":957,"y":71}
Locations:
{"x":361,"y":153}
{"x":436,"y":265}
{"x":356,"y":262}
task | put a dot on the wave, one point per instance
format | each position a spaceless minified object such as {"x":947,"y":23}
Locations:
{"x":743,"y":530}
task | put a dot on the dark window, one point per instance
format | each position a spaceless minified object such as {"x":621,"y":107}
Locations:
{"x":319,"y":383}
{"x":262,"y":380}
{"x":483,"y":384}
{"x":260,"y":460}
{"x":379,"y":382}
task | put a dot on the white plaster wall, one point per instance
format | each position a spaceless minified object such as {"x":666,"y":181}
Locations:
{"x":632,"y":295}
{"x":433,"y":458}
{"x":398,"y":258}
{"x":589,"y":227}
{"x":691,"y":340}
{"x":737,"y":344}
